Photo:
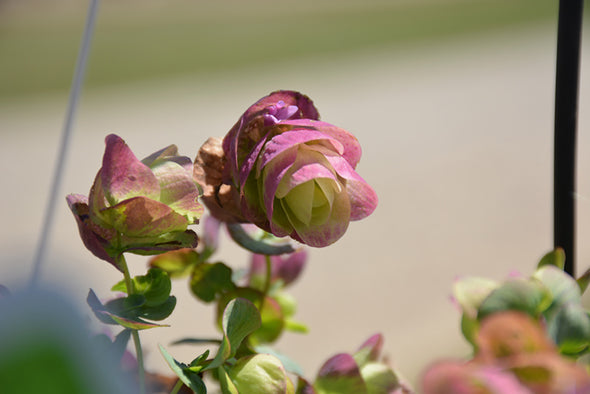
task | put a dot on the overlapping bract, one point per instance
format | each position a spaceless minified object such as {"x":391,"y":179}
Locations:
{"x":295,"y":175}
{"x":138,"y":206}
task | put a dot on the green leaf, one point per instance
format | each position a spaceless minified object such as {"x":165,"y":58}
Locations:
{"x":272,"y":318}
{"x":188,"y":377}
{"x":120,"y":343}
{"x":529,"y":296}
{"x":196,"y":341}
{"x":210,"y":279}
{"x":563,"y":288}
{"x":135,"y":324}
{"x":258,"y":246}
{"x":570,"y":329}
{"x":177,"y":263}
{"x":200,"y":360}
{"x":98,"y":308}
{"x":555,"y":258}
{"x":155,"y":286}
{"x":126,"y":306}
{"x":149,"y":246}
{"x":240,"y":318}
{"x":120,"y":286}
{"x":227,"y":386}
{"x":109,"y":317}
{"x":272,"y":323}
{"x":583,"y":281}
{"x":287,"y":303}
{"x":295,"y":326}
{"x":158,"y":312}
{"x":469,"y":327}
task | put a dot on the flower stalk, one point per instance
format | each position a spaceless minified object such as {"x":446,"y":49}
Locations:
{"x":176,"y":387}
{"x":122,"y":264}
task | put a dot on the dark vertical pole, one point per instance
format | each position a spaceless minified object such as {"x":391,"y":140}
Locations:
{"x":566,"y":108}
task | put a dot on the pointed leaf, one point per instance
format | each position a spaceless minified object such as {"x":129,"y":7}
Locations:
{"x":108,"y":317}
{"x":555,"y":257}
{"x":369,"y":350}
{"x":188,"y":377}
{"x":225,"y":383}
{"x":200,"y":360}
{"x":583,"y":281}
{"x":240,"y":318}
{"x":135,"y":324}
{"x":121,"y":341}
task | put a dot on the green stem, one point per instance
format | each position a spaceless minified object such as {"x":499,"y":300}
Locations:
{"x":122,"y":263}
{"x":267,"y":280}
{"x":139,"y":354}
{"x":177,"y":387}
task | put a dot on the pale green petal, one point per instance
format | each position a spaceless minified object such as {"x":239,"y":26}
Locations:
{"x":300,"y":200}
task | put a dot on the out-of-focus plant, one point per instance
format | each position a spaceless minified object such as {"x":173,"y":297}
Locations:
{"x":527,"y":334}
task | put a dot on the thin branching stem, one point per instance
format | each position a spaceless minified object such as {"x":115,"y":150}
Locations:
{"x":177,"y":387}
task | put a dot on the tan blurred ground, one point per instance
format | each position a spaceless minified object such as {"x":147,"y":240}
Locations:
{"x":457,"y":142}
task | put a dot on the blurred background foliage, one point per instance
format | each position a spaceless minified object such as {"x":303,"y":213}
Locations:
{"x":152,"y":39}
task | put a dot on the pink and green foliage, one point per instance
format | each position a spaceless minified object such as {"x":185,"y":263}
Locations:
{"x":361,"y":372}
{"x":295,"y":175}
{"x":526,"y":334}
{"x":142,"y":207}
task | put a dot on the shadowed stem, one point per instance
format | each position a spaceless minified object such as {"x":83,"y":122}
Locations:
{"x":267,"y":280}
{"x":65,"y":139}
{"x":566,"y":108}
{"x":122,"y":263}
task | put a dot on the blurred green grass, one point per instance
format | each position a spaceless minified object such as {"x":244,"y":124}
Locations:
{"x":137,"y":41}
